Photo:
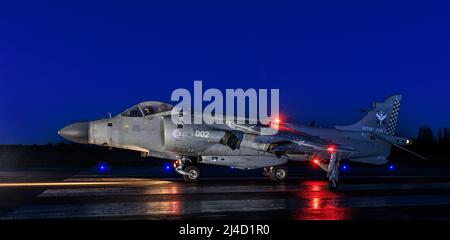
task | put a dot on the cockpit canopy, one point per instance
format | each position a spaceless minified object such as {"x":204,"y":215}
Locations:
{"x":146,"y":109}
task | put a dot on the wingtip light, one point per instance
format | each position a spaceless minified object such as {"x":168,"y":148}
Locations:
{"x":331,"y":149}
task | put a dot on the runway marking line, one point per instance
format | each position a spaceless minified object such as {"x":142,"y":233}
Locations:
{"x":82,"y":183}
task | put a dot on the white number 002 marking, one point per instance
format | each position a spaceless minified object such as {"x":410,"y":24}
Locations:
{"x":202,"y":134}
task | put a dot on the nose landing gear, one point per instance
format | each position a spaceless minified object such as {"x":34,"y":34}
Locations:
{"x":190,"y":172}
{"x":193,"y":174}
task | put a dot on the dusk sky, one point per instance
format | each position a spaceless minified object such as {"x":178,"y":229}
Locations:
{"x":63,"y":62}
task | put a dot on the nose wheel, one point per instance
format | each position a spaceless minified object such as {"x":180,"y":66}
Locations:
{"x":190,"y":172}
{"x":193,"y":174}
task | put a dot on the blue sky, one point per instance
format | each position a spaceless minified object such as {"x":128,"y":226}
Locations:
{"x":64,"y":61}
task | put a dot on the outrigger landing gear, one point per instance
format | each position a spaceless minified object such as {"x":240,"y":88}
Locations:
{"x":333,"y":171}
{"x":276,"y":173}
{"x":190,"y":173}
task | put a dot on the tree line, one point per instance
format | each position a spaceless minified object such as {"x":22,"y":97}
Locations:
{"x":427,"y":136}
{"x":435,"y":145}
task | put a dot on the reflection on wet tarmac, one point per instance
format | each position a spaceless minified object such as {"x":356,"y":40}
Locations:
{"x":114,"y":197}
{"x":171,"y":207}
{"x":322,"y":203}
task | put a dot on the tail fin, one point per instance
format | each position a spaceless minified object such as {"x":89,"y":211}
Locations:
{"x":382,"y":119}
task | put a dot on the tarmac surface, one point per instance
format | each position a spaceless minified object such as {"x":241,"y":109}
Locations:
{"x":223,"y":193}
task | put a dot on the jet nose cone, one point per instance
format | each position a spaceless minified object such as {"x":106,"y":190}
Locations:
{"x":76,"y":132}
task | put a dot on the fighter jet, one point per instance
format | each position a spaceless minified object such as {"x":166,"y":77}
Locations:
{"x":148,"y":128}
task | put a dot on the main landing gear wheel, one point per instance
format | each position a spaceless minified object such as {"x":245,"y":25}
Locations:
{"x":194,"y":174}
{"x":278,"y":173}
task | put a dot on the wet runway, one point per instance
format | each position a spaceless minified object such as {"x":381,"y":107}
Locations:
{"x":153,"y":193}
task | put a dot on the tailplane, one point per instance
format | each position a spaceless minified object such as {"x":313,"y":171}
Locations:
{"x":382,"y":119}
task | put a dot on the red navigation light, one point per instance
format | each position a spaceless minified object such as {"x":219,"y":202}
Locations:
{"x":176,"y":163}
{"x":275,"y":123}
{"x":331,"y":149}
{"x":316,"y":161}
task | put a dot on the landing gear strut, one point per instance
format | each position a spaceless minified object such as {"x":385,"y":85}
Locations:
{"x":276,"y":173}
{"x":189,"y":172}
{"x":333,"y":171}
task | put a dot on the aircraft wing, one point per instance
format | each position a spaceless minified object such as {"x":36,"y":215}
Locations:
{"x":301,"y":147}
{"x":288,"y":139}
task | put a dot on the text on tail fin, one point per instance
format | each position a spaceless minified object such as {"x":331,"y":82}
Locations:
{"x":382,"y":119}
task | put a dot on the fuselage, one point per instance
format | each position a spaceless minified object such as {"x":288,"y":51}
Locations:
{"x":154,"y":136}
{"x":149,"y":128}
{"x":160,"y":130}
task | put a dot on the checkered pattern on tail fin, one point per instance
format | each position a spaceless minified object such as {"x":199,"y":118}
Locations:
{"x":393,"y":119}
{"x":382,"y":119}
